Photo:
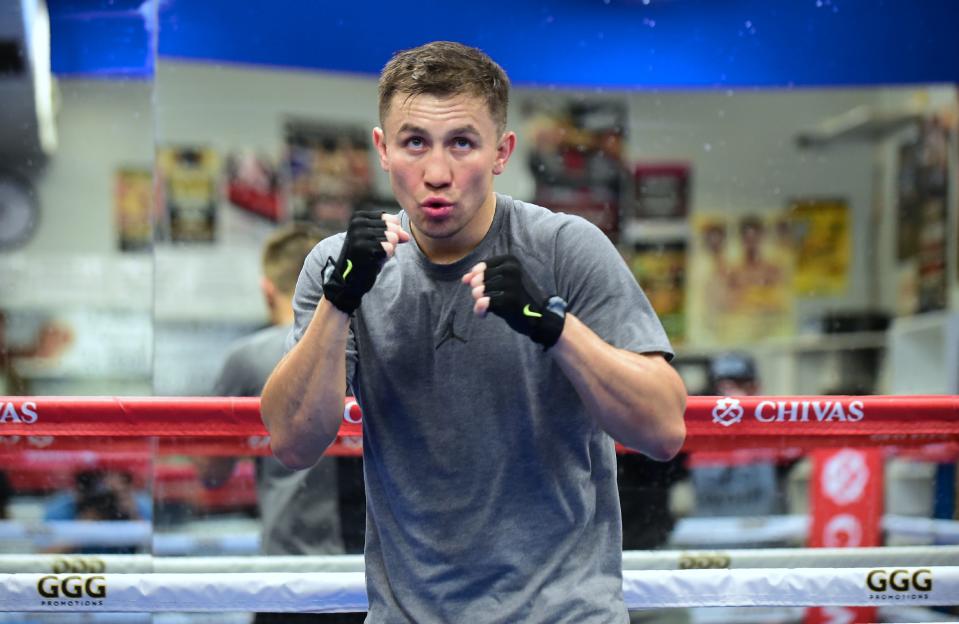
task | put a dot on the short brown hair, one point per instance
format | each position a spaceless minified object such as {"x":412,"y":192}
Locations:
{"x":284,"y":253}
{"x":445,"y":68}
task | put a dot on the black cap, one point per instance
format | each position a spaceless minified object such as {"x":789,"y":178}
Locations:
{"x":738,"y":366}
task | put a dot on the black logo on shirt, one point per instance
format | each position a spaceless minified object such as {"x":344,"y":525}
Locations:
{"x":449,"y":333}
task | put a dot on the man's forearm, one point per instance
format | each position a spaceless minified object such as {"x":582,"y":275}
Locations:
{"x":302,"y":402}
{"x":638,"y":399}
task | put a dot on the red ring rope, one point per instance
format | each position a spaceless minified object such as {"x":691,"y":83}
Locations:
{"x":233,"y":426}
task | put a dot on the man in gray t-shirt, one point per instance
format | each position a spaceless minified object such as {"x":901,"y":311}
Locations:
{"x":299,"y":514}
{"x":495,"y":347}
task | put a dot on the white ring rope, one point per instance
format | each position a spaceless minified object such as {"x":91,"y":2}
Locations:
{"x":908,"y":614}
{"x":217,"y":565}
{"x":86,"y":532}
{"x":792,"y":558}
{"x":182,"y":544}
{"x":728,"y":531}
{"x":346,"y":591}
{"x":796,"y":587}
{"x":281,"y":592}
{"x":77,"y":564}
{"x":939,"y":531}
{"x":914,"y":556}
{"x":689,"y":532}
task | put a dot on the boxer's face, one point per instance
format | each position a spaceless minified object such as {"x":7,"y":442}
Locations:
{"x":441,"y":154}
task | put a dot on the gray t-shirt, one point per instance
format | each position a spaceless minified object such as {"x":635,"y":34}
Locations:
{"x":299,"y":512}
{"x":491,"y":493}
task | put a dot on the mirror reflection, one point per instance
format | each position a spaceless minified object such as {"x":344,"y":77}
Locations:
{"x":76,"y":305}
{"x":76,"y":320}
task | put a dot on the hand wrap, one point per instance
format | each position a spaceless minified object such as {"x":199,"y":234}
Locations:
{"x":518,"y":301}
{"x":359,"y":263}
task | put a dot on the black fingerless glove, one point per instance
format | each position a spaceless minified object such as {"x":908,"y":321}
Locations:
{"x":518,"y":301}
{"x":359,"y":263}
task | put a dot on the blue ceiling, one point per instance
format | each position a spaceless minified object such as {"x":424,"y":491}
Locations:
{"x":614,"y":43}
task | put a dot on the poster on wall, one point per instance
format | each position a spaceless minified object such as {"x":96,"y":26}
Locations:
{"x":660,"y":191}
{"x":327,"y":170}
{"x":133,"y":208}
{"x":822,"y":239}
{"x":253,"y":184}
{"x":922,"y":208}
{"x":188,"y":191}
{"x":660,"y":268}
{"x":932,"y":254}
{"x":740,"y":286}
{"x":577,"y":157}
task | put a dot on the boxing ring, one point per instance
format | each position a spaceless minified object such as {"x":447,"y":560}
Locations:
{"x":823,"y":577}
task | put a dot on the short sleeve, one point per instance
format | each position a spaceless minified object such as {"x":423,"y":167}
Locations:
{"x":233,"y":379}
{"x":309,"y":289}
{"x":601,"y":291}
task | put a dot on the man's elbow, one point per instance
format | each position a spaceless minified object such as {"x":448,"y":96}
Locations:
{"x":671,"y":408}
{"x":294,"y":461}
{"x":669,"y":443}
{"x":299,"y":448}
{"x":293,"y":457}
{"x":297,"y":442}
{"x":672,"y":434}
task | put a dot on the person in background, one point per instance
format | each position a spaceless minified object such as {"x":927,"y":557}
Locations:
{"x":300,"y":512}
{"x":113,"y":486}
{"x":99,"y":495}
{"x":735,"y":483}
{"x":733,"y":374}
